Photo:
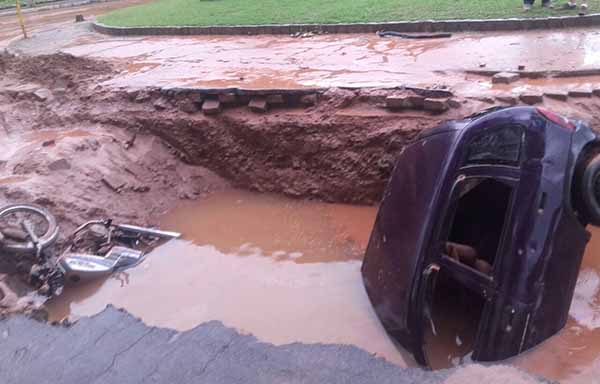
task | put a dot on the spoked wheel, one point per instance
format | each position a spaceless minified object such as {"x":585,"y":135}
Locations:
{"x":26,"y":229}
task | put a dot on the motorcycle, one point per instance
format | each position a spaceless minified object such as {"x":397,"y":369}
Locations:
{"x":97,"y":248}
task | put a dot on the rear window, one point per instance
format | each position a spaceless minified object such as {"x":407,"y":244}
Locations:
{"x":498,"y":146}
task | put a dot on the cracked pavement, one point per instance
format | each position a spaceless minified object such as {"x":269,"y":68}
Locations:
{"x":115,"y":347}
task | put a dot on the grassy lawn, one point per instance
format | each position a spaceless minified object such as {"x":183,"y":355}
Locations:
{"x":232,"y":12}
{"x":24,"y":3}
{"x":6,"y":3}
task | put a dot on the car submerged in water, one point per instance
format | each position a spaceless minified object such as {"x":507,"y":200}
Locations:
{"x":481,"y":232}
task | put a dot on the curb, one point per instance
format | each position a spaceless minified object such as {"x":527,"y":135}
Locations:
{"x":424,"y":92}
{"x":405,"y":27}
{"x":213,"y":101}
{"x":538,"y":74}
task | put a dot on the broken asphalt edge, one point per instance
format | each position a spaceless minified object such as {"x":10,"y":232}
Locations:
{"x":115,"y":347}
{"x":480,"y":25}
{"x":537,"y":74}
{"x":428,"y":92}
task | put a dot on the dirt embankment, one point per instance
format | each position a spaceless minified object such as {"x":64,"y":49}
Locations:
{"x":341,"y":149}
{"x":318,"y":153}
{"x":55,"y":70}
{"x":78,"y":168}
{"x":327,"y":151}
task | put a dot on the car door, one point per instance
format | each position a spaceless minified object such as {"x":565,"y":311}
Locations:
{"x":393,"y":260}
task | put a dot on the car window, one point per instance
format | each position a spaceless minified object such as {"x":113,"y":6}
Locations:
{"x":498,"y":146}
{"x":475,"y":222}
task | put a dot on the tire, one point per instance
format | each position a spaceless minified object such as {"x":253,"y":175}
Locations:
{"x":45,"y":240}
{"x":590,"y":191}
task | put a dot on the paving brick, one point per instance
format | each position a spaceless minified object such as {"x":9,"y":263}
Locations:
{"x":258,"y":104}
{"x":557,"y":95}
{"x":43,"y":94}
{"x":505,"y":78}
{"x":404,"y":102}
{"x":531,"y":98}
{"x":507,"y":99}
{"x":277,"y":100}
{"x":580,"y":93}
{"x":211,"y":107}
{"x":435,"y":105}
{"x":395,"y":101}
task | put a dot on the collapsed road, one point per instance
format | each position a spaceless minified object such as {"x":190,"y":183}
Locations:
{"x":82,"y":150}
{"x":114,"y":347}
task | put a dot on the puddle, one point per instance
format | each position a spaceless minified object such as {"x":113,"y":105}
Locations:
{"x":570,"y":355}
{"x":36,"y":137}
{"x":241,"y":223}
{"x":289,"y":271}
{"x":284,"y":270}
{"x":339,"y":60}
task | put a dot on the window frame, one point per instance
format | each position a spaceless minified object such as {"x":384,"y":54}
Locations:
{"x":449,"y":215}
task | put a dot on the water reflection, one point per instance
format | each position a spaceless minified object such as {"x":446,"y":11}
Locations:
{"x":288,"y":271}
{"x":280,"y":269}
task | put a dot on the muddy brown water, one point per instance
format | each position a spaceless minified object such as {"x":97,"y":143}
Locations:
{"x":572,"y":356}
{"x":289,"y":271}
{"x":283,"y":270}
{"x":11,"y":179}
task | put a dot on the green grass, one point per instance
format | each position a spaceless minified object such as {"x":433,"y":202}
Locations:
{"x":24,"y":3}
{"x":250,"y":12}
{"x":6,"y":3}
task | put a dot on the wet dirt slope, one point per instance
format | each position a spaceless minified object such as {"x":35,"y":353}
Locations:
{"x":81,"y":170}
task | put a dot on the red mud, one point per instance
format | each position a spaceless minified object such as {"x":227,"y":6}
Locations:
{"x":58,"y":70}
{"x":75,"y":167}
{"x":365,"y":60}
{"x":88,"y":151}
{"x":340,"y":150}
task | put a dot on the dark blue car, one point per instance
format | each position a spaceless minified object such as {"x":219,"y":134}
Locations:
{"x":481,"y":231}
